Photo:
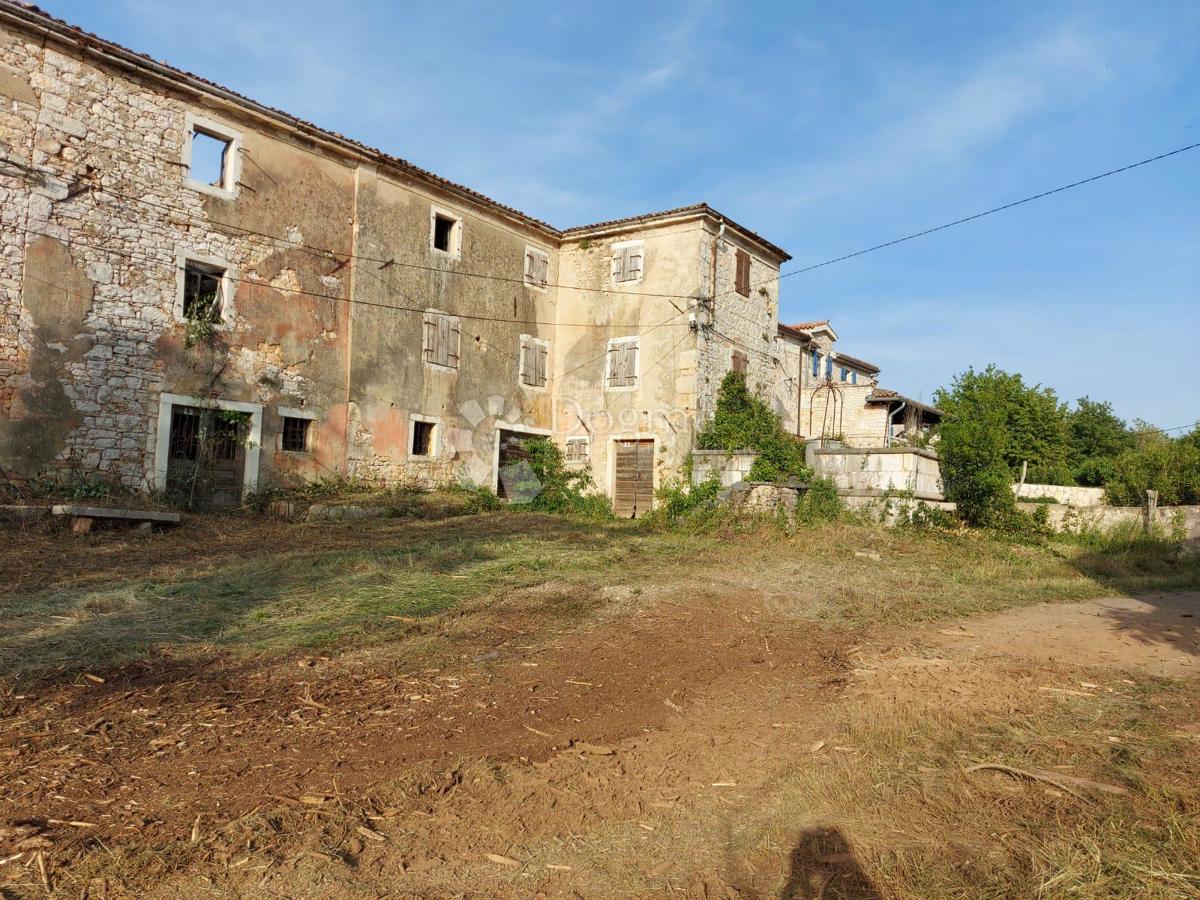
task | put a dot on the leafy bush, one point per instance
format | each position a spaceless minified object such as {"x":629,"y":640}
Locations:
{"x":1095,"y":471}
{"x":1160,"y":464}
{"x":820,"y":503}
{"x":743,"y":421}
{"x":561,"y":490}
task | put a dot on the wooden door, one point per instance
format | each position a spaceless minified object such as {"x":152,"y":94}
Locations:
{"x":633,"y":479}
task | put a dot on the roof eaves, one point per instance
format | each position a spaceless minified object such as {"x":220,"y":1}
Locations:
{"x":36,"y":18}
{"x":701,"y":209}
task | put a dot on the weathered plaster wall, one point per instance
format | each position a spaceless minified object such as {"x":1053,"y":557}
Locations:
{"x":88,"y":337}
{"x":389,"y":381}
{"x":662,"y":406}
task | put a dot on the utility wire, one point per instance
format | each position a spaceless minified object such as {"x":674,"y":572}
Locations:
{"x":328,"y":252}
{"x":285,"y":290}
{"x":987,"y":212}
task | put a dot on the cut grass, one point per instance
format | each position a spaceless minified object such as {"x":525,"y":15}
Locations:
{"x":352,"y":585}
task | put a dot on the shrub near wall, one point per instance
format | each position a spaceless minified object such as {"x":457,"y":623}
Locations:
{"x":744,"y":421}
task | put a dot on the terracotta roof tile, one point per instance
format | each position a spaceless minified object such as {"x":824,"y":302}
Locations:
{"x":37,"y":18}
{"x":808,"y":326}
{"x":858,"y":363}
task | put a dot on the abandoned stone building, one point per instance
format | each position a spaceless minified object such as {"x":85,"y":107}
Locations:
{"x":203,"y":294}
{"x":824,"y":394}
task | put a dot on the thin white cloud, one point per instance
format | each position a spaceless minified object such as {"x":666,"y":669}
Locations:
{"x":940,"y":122}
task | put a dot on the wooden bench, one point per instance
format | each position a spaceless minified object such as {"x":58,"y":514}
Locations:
{"x":84,"y":516}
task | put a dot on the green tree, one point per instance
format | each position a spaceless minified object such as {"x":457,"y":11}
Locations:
{"x":1032,"y":421}
{"x":1156,"y":463}
{"x":975,"y":471}
{"x":744,"y":421}
{"x":1098,"y":436}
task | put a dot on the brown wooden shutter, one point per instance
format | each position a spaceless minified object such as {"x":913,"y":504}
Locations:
{"x":742,"y":277}
{"x":740,"y":361}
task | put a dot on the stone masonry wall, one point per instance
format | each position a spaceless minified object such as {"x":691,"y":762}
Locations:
{"x":93,"y":223}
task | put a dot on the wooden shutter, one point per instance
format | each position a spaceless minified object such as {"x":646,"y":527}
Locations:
{"x":633,"y":266}
{"x":619,"y":260}
{"x":429,"y":340}
{"x":539,"y":355}
{"x":740,"y":361}
{"x":453,"y":336}
{"x":630,"y":364}
{"x":742,"y":277}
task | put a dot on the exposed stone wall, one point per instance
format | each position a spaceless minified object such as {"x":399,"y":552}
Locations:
{"x":730,"y":467}
{"x":107,"y":215}
{"x":748,"y":325}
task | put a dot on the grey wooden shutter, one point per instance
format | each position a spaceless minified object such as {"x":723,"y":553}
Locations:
{"x":630,"y":364}
{"x":615,"y":358}
{"x":620,"y":263}
{"x":542,"y":356}
{"x":453,"y":336}
{"x":429,"y":340}
{"x":633,"y":265}
{"x":524,"y":361}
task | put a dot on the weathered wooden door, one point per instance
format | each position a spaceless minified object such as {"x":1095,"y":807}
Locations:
{"x":633,"y":479}
{"x":206,"y":460}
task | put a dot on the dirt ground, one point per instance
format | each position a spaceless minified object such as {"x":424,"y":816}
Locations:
{"x":652,"y":750}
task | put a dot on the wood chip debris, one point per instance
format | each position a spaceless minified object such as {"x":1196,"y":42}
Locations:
{"x":370,"y":834}
{"x":502,"y":860}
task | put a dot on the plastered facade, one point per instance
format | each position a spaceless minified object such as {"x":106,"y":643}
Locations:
{"x":330,"y":271}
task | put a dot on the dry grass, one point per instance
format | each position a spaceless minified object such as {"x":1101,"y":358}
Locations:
{"x":223,"y":584}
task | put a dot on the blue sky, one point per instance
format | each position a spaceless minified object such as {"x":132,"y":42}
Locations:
{"x":827,"y":127}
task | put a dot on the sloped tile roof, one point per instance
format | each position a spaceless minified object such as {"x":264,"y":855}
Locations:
{"x":34,"y":18}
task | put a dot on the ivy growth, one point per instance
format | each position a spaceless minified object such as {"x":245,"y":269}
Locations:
{"x":744,"y":421}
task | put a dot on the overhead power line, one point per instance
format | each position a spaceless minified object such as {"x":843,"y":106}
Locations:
{"x":988,"y":212}
{"x":152,"y":260}
{"x":329,"y":252}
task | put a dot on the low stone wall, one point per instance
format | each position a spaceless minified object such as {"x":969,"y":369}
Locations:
{"x":887,"y":511}
{"x":761,"y":498}
{"x":1070,"y":495}
{"x":874,"y":471}
{"x":731,"y":467}
{"x":1065,"y":517}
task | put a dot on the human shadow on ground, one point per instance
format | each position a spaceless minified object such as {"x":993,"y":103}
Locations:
{"x":823,"y":865}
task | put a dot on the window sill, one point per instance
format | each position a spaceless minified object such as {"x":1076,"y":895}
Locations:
{"x":210,"y":189}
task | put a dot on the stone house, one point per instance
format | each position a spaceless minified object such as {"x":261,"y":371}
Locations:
{"x":202,"y":293}
{"x":824,"y":394}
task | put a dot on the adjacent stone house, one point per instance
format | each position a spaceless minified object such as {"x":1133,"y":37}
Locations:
{"x":205,"y":294}
{"x":824,"y":394}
